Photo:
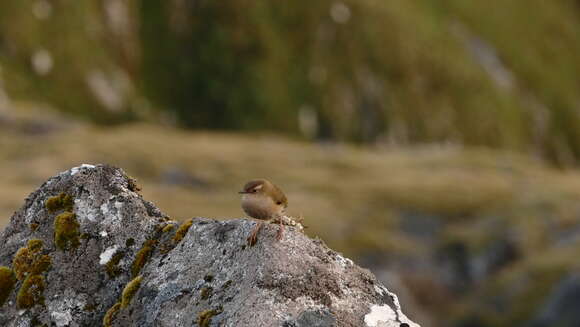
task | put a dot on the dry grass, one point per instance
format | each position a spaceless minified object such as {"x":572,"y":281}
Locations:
{"x":354,"y":198}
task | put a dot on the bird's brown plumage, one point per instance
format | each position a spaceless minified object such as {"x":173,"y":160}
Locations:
{"x":263,"y":200}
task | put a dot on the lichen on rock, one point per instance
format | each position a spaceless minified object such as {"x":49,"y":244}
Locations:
{"x":30,"y":260}
{"x":181,"y":231}
{"x":110,"y":315}
{"x":60,"y":202}
{"x":7,"y":282}
{"x":31,"y":292}
{"x":142,"y":256}
{"x":112,"y":266}
{"x":204,"y":317}
{"x":130,"y":290}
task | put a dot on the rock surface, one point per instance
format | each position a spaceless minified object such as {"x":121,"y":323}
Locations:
{"x":207,"y":278}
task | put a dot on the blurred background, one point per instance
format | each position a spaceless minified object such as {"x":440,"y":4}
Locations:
{"x":435,"y":142}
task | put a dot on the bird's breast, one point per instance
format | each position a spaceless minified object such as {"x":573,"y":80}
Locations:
{"x":259,"y":207}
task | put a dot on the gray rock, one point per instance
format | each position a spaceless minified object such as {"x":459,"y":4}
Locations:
{"x":561,"y":308}
{"x":210,"y":277}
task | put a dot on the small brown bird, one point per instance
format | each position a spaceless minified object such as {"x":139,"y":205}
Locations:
{"x":263,"y":200}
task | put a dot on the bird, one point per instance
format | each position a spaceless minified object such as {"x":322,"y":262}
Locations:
{"x":263,"y":200}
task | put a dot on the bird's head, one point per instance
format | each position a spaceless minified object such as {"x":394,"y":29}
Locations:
{"x":256,"y":186}
{"x":260,"y":188}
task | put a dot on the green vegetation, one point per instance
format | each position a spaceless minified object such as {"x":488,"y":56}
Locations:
{"x":112,"y":267}
{"x":110,"y":315}
{"x":66,"y":231}
{"x":130,"y":290}
{"x":29,"y":264}
{"x":35,"y":245}
{"x":168,"y":228}
{"x":30,"y":261}
{"x":206,"y":293}
{"x":204,"y":317}
{"x":182,"y":231}
{"x":403,"y":72}
{"x":142,"y":256}
{"x":7,"y":282}
{"x":59,"y":202}
{"x":31,"y":292}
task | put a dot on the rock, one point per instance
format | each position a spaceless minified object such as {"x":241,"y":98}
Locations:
{"x":121,"y":262}
{"x":561,"y":308}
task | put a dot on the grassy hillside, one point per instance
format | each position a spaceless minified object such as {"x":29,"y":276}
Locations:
{"x":462,"y":228}
{"x":485,"y":74}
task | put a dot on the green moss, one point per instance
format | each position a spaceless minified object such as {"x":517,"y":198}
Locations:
{"x":113,"y":270}
{"x":7,"y":282}
{"x":168,"y":228}
{"x":66,"y":231}
{"x":206,"y":292}
{"x":60,"y":202}
{"x":227,"y":284}
{"x":30,"y":293}
{"x":41,"y":264}
{"x":130,"y":290}
{"x":22,"y":262}
{"x":110,"y":315}
{"x":204,"y":317}
{"x":183,"y":229}
{"x":28,"y":260}
{"x":35,"y":245}
{"x":142,"y":256}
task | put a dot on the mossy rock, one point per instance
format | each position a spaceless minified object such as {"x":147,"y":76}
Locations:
{"x":30,"y":261}
{"x":112,"y":267}
{"x":110,"y":315}
{"x":31,"y":292}
{"x":206,"y":292}
{"x":168,"y":228}
{"x":181,"y":231}
{"x":7,"y":282}
{"x":130,"y":290}
{"x":66,"y":231}
{"x":60,"y":202}
{"x":204,"y":317}
{"x":142,"y":256}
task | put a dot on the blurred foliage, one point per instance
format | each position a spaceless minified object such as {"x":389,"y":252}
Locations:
{"x":477,"y":73}
{"x":480,"y":237}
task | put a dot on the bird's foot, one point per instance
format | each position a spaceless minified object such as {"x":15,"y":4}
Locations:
{"x":280,"y":233}
{"x":253,"y":238}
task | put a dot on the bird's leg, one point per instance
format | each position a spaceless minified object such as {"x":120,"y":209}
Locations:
{"x":253,"y":238}
{"x":280,"y":233}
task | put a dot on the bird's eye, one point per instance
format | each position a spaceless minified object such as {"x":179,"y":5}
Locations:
{"x":254,"y":191}
{"x":278,"y":203}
